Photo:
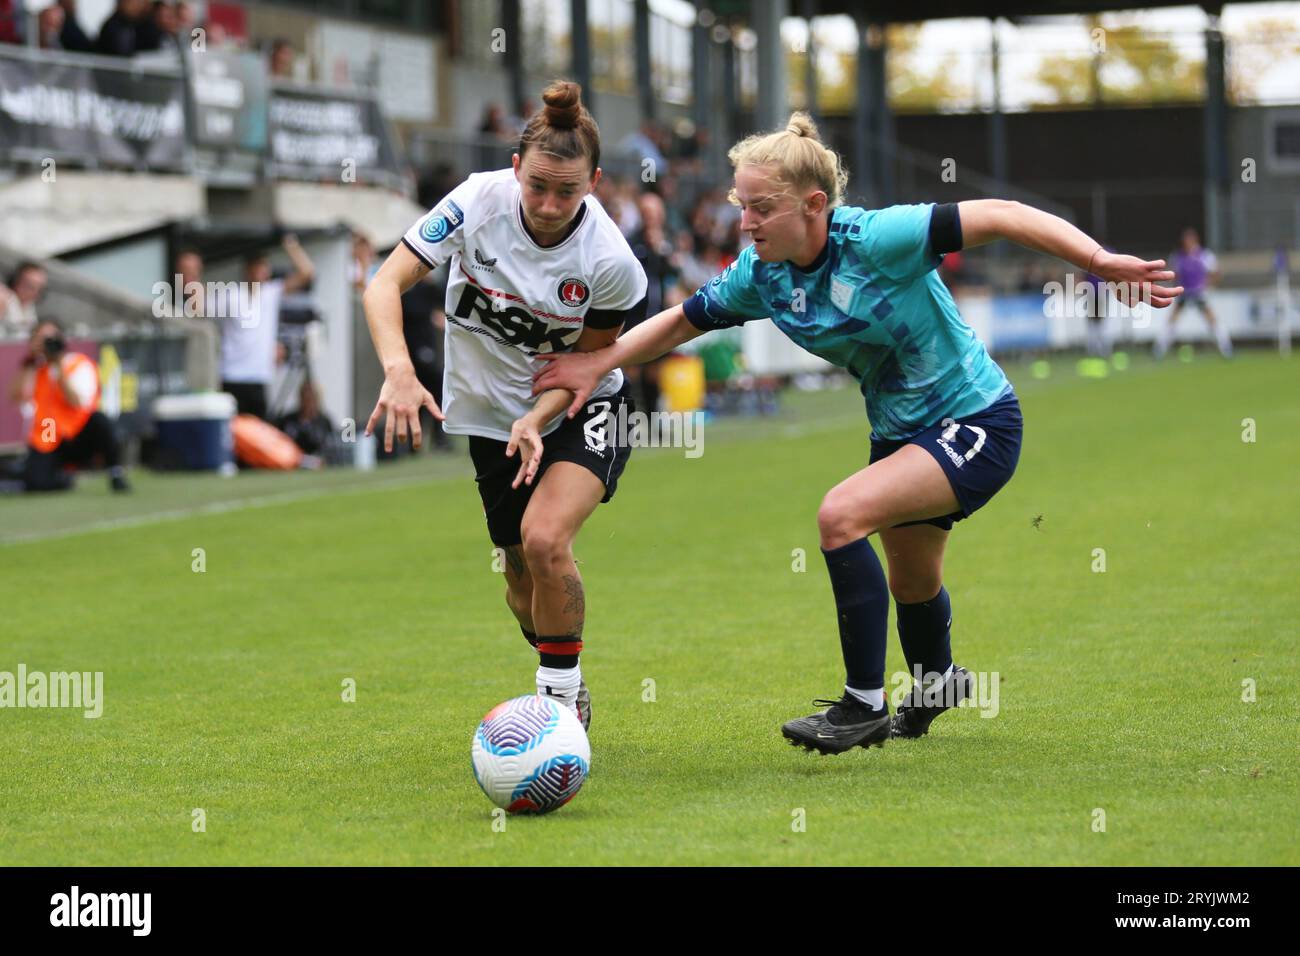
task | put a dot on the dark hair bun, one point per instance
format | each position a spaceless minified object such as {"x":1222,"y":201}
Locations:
{"x":563,"y":107}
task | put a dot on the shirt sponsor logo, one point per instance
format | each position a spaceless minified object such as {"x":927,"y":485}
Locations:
{"x":512,"y":324}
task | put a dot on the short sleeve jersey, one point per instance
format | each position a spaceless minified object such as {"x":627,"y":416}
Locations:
{"x":509,"y":299}
{"x":873,"y":305}
{"x":1194,"y":269}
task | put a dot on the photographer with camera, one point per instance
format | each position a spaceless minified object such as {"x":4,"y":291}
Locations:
{"x":67,"y":426}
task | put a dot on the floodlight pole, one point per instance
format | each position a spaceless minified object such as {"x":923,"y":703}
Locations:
{"x":997,"y":126}
{"x":1215,"y":126}
{"x":580,"y":32}
{"x":772,"y":107}
{"x":810,"y":61}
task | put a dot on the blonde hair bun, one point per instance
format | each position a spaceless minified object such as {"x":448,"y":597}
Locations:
{"x":802,"y":160}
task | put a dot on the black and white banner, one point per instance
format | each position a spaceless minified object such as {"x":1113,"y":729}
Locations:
{"x":117,"y":117}
{"x":229,"y":88}
{"x":321,"y":136}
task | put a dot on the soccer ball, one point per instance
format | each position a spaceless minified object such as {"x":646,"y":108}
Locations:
{"x":530,"y":755}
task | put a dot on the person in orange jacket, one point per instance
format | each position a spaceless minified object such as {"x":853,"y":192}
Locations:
{"x":67,"y":426}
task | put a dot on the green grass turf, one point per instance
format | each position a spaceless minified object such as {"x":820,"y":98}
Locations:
{"x":1119,"y":690}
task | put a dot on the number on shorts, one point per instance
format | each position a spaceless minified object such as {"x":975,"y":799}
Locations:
{"x":950,"y":432}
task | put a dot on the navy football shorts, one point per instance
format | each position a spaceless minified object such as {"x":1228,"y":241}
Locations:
{"x":978,"y":453}
{"x":588,"y":439}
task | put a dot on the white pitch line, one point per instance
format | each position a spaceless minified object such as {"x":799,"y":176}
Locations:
{"x":216,"y":507}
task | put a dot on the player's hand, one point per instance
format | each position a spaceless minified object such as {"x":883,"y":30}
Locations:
{"x":400,"y":401}
{"x":579,"y":372}
{"x":525,"y":437}
{"x":1138,"y":278}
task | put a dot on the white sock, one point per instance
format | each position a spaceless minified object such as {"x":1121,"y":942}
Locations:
{"x":875,"y":698}
{"x":560,"y":683}
{"x":1164,"y":338}
{"x":1222,"y":338}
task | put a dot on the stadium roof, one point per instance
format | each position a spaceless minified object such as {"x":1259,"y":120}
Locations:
{"x":903,"y":11}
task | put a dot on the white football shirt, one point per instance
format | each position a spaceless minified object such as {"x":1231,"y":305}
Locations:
{"x":249,"y":329}
{"x":509,"y":298}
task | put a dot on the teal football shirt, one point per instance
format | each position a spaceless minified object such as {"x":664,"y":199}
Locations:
{"x":873,"y":305}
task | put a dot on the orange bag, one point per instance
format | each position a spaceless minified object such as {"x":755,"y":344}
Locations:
{"x":260,"y":445}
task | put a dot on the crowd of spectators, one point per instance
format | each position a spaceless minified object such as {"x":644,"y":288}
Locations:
{"x":134,"y":26}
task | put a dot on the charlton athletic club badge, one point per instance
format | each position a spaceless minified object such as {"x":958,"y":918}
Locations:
{"x":573,"y":292}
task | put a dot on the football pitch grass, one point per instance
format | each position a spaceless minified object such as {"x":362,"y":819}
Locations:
{"x":1146,"y":714}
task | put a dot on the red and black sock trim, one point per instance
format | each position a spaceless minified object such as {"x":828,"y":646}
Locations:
{"x":529,"y":636}
{"x":561,"y":652}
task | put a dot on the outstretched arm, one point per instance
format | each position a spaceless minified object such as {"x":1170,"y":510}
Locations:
{"x":402,"y":395}
{"x":580,"y":374}
{"x":303,"y":270}
{"x":525,"y":433}
{"x":984,"y":220}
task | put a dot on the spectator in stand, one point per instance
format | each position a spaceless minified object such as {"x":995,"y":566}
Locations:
{"x":10,"y":21}
{"x":653,"y":249}
{"x":251,"y":323}
{"x":363,"y":261}
{"x":187,"y":271}
{"x":157,"y":29}
{"x":439,"y":181}
{"x":645,"y":144}
{"x":669,"y":189}
{"x":18,"y":299}
{"x":67,"y":426}
{"x":71,"y":37}
{"x":310,"y":428}
{"x":629,"y":212}
{"x":494,"y":125}
{"x":694,"y":268}
{"x":186,"y":21}
{"x":496,"y":136}
{"x":517,"y":123}
{"x":282,"y":59}
{"x":49,"y":27}
{"x":147,"y":36}
{"x":120,"y":33}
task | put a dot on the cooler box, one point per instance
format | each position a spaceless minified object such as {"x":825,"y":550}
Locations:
{"x":196,"y":429}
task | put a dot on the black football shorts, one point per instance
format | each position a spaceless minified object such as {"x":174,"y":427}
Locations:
{"x":590,"y":439}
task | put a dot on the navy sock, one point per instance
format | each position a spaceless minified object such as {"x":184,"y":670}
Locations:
{"x":529,"y":636}
{"x":923,"y":630}
{"x":862,"y":606}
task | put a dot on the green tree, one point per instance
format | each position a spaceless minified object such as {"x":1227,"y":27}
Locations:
{"x":1127,"y":64}
{"x":1254,"y":51}
{"x":912,"y":86}
{"x":915,"y":86}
